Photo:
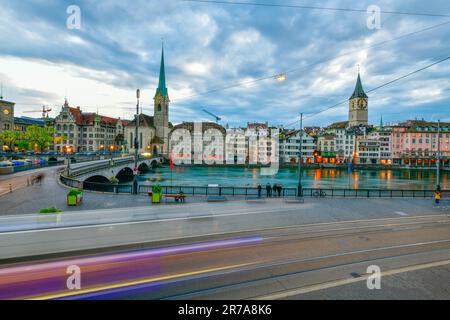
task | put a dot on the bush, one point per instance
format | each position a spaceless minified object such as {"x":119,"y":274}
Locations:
{"x":74,"y":192}
{"x":50,"y":210}
{"x":114,"y":180}
{"x":157,"y":189}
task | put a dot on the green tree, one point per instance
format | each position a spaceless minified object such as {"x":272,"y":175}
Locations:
{"x":23,"y":144}
{"x":9,"y":138}
{"x":39,"y":137}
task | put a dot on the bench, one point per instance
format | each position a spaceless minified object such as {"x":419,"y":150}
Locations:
{"x":217,"y":199}
{"x":177,"y":197}
{"x":294,"y":200}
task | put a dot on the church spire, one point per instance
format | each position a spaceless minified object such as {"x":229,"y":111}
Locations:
{"x":162,"y":89}
{"x":359,"y":91}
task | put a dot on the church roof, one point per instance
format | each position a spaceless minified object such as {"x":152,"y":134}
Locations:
{"x":162,"y":88}
{"x":359,"y":91}
{"x":145,"y":121}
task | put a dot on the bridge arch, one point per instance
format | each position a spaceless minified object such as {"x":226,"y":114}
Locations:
{"x":52,"y":159}
{"x":125,"y":175}
{"x":154,"y":163}
{"x":98,"y":183}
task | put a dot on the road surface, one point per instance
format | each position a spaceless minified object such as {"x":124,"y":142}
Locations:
{"x":310,"y":261}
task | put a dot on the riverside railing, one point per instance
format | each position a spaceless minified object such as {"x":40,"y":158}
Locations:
{"x":248,"y":191}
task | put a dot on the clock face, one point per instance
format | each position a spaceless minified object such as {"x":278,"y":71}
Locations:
{"x":362,"y":104}
{"x":6,"y":112}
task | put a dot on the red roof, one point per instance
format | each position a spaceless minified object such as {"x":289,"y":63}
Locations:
{"x":89,"y":118}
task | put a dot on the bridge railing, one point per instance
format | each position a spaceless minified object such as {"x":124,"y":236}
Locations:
{"x":104,"y":164}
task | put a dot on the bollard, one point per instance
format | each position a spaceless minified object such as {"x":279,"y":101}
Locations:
{"x":10,"y":188}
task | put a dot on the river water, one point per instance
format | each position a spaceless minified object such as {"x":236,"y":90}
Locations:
{"x":288,"y":177}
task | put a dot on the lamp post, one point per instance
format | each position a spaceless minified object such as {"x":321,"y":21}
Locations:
{"x":68,"y":152}
{"x":136,"y":143}
{"x":111,"y":150}
{"x":300,"y":188}
{"x":438,"y":167}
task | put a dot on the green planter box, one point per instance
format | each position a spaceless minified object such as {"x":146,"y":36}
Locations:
{"x":156,"y":197}
{"x":73,"y":201}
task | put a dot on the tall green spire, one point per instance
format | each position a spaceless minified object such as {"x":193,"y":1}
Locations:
{"x":359,"y":91}
{"x":162,"y":77}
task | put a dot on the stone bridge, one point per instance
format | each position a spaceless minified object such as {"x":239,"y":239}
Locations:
{"x":103,"y":170}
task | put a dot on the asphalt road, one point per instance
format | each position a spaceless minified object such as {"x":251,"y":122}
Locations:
{"x":313,"y":261}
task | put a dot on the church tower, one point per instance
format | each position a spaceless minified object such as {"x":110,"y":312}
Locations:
{"x":358,"y":106}
{"x":161,"y":108}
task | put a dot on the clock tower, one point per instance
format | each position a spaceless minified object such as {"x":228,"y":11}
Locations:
{"x":6,"y":114}
{"x":358,"y":106}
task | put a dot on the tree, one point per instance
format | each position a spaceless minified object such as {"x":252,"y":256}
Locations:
{"x":9,"y":138}
{"x":39,"y":137}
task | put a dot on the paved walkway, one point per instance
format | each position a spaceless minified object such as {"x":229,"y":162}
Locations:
{"x":29,"y":200}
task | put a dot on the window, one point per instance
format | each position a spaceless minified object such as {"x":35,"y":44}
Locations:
{"x":159,"y":108}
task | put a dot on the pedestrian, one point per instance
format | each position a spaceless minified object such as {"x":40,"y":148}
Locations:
{"x":437,"y":197}
{"x":268,"y":190}
{"x":274,"y":190}
{"x":259,"y":191}
{"x":279,"y":189}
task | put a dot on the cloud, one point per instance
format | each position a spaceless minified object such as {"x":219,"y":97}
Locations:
{"x":210,"y":46}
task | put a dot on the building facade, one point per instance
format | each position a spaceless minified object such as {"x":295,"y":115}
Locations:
{"x":6,"y":115}
{"x":87,"y":132}
{"x":290,"y":147}
{"x":417,"y":143}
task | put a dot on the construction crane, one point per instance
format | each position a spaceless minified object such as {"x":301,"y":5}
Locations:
{"x":45,"y":111}
{"x":213,"y":115}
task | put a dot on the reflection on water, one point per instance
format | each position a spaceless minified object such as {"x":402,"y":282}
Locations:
{"x":288,"y":177}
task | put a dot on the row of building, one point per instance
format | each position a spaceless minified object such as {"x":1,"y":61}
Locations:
{"x":414,"y":142}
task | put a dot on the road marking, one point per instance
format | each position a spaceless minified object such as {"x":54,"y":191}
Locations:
{"x":333,"y":284}
{"x":400,"y":213}
{"x":136,"y":282}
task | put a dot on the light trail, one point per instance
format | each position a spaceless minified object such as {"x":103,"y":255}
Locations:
{"x":47,"y":280}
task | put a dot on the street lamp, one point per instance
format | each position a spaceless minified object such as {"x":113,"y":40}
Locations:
{"x":111,"y":150}
{"x":136,"y":143}
{"x":300,"y":188}
{"x":68,"y":149}
{"x":438,"y":167}
{"x":281,"y":77}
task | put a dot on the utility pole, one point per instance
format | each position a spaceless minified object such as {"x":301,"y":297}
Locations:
{"x":300,"y":188}
{"x":438,"y":167}
{"x":136,"y":143}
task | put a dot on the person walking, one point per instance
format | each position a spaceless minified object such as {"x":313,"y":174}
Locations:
{"x":437,"y":197}
{"x":259,"y":190}
{"x":274,"y":190}
{"x":268,"y":190}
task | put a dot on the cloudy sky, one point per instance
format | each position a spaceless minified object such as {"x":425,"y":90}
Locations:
{"x":215,"y":46}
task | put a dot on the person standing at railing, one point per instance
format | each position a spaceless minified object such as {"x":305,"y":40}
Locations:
{"x":268,"y":190}
{"x":437,"y":197}
{"x":259,"y":191}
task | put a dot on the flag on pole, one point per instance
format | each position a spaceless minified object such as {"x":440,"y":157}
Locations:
{"x":171,"y":162}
